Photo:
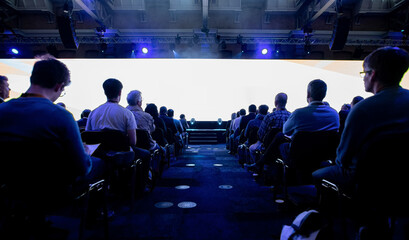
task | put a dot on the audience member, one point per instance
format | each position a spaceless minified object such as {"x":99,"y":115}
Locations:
{"x":235,"y":129}
{"x":356,"y":100}
{"x":112,"y":116}
{"x":317,"y":116}
{"x":184,"y":122}
{"x":143,"y":120}
{"x":253,"y":126}
{"x":385,"y":111}
{"x":246,"y":119}
{"x":4,"y":88}
{"x":160,"y":128}
{"x":343,"y":113}
{"x":170,"y":124}
{"x":34,"y":117}
{"x":276,"y":120}
{"x":82,"y":123}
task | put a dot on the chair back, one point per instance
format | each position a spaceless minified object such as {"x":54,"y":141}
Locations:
{"x":36,"y":172}
{"x":382,"y":168}
{"x":271,"y":133}
{"x":142,"y":139}
{"x":309,"y":149}
{"x":109,"y":140}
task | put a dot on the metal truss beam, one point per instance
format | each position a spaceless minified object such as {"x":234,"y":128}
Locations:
{"x":208,"y":40}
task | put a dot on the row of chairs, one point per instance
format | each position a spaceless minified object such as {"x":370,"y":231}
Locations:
{"x":28,"y":197}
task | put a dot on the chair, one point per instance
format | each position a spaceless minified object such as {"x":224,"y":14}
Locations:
{"x":36,"y":181}
{"x":142,"y":139}
{"x":377,"y":201}
{"x":308,"y":151}
{"x":115,"y":150}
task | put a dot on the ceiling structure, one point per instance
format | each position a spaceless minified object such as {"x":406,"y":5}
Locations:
{"x":291,"y":28}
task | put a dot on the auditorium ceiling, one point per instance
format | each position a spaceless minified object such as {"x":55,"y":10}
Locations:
{"x":322,"y":29}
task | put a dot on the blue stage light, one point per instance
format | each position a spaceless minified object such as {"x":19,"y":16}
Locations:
{"x":264,"y":51}
{"x":14,"y":51}
{"x":145,"y":50}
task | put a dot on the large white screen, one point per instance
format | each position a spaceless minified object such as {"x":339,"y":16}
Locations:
{"x":204,"y":89}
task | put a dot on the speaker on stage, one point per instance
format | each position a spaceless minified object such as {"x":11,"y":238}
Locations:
{"x":340,"y":33}
{"x":67,"y":32}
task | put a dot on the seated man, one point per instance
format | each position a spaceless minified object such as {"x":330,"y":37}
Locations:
{"x":386,"y":110}
{"x":143,"y":120}
{"x":317,"y":116}
{"x":82,"y":123}
{"x":171,"y":129}
{"x":112,"y":116}
{"x":34,"y":117}
{"x":253,"y":126}
{"x":276,"y":119}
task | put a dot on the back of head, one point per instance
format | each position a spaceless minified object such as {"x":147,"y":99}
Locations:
{"x":112,"y":88}
{"x":48,"y":71}
{"x":356,"y":100}
{"x":3,"y":79}
{"x":182,"y":116}
{"x":252,"y":108}
{"x":281,"y":100}
{"x":317,"y":90}
{"x":242,"y":112}
{"x":389,"y":63}
{"x":170,"y":112}
{"x":134,"y":97}
{"x":152,"y":109}
{"x":85,"y":113}
{"x":263,"y":109}
{"x":163,"y":110}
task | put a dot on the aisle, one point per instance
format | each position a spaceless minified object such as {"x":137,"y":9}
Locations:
{"x":227,"y":203}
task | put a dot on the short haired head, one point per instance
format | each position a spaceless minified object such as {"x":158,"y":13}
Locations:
{"x":152,"y":109}
{"x":263,"y":109}
{"x":389,"y":63}
{"x":85,"y":113}
{"x":242,"y":112}
{"x":252,"y":108}
{"x":163,"y":110}
{"x":112,"y":88}
{"x":134,"y":97}
{"x":317,"y":90}
{"x":182,"y":116}
{"x":281,"y":100}
{"x":4,"y":87}
{"x":356,"y":100}
{"x":48,"y":72}
{"x":170,"y":112}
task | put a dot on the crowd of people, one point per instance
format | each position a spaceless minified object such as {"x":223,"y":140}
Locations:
{"x":267,"y":136}
{"x":386,"y":112}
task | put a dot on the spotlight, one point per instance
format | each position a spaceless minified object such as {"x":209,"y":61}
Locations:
{"x":264,"y":51}
{"x":145,"y":50}
{"x":192,"y":121}
{"x":14,"y":51}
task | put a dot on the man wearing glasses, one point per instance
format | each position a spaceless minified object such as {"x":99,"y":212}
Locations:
{"x":378,"y":183}
{"x":34,"y":117}
{"x":383,"y":71}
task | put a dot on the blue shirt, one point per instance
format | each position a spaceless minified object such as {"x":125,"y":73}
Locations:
{"x":38,"y":118}
{"x":314,"y":117}
{"x":388,"y":109}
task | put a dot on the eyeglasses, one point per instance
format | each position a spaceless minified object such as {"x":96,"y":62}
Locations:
{"x":63,"y":92}
{"x":364,"y":73}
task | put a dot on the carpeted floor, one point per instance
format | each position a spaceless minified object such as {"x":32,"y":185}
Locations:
{"x":223,"y":202}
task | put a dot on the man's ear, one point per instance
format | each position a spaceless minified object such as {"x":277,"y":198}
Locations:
{"x":58,"y":86}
